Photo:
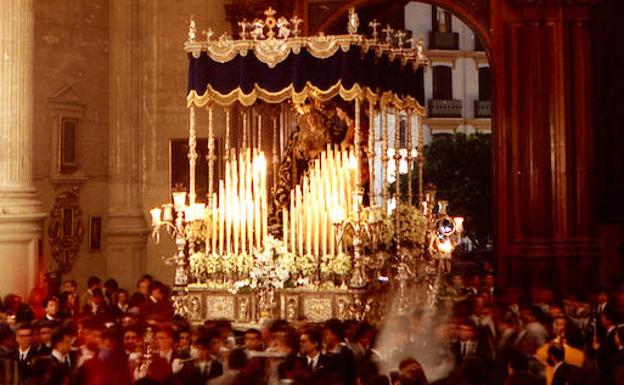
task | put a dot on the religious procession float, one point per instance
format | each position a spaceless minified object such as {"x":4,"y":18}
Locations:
{"x":303,"y":216}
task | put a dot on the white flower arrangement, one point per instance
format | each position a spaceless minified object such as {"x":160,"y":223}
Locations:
{"x":410,"y":224}
{"x":270,"y":270}
{"x":339,"y":265}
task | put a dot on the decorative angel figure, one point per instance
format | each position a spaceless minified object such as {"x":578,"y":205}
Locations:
{"x":258,"y":29}
{"x":353,"y":23}
{"x":295,"y":21}
{"x":420,"y":54}
{"x":209,"y":34}
{"x":283,"y":27}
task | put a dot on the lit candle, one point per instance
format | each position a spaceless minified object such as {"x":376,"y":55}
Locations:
{"x":221,"y":215}
{"x":300,"y":219}
{"x":155,"y":213}
{"x":215,"y":223}
{"x":168,"y":212}
{"x":293,"y":235}
{"x":179,"y":200}
{"x":323,"y":230}
{"x":285,"y":226}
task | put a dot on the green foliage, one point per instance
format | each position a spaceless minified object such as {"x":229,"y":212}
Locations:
{"x":460,"y":166}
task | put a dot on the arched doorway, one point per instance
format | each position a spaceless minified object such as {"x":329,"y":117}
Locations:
{"x":542,"y":133}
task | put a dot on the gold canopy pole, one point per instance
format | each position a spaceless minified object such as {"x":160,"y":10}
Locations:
{"x":244,"y":118}
{"x":226,"y":153}
{"x":358,"y":279}
{"x":397,"y":155}
{"x":420,"y":156}
{"x":211,"y":152}
{"x":259,"y":138}
{"x":384,"y":152}
{"x":276,"y":158}
{"x":192,"y":154}
{"x":410,"y":158}
{"x":371,"y":152}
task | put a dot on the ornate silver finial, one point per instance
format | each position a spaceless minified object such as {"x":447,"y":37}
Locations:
{"x":243,"y":29}
{"x":388,"y":31}
{"x":373,"y":26}
{"x":257,"y":32}
{"x":283,"y":28}
{"x":400,"y":38}
{"x":295,"y":21}
{"x":353,"y":23}
{"x":192,"y":33}
{"x":209,"y":34}
{"x":225,"y":38}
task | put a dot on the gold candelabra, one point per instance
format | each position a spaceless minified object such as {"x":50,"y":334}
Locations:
{"x":175,"y":218}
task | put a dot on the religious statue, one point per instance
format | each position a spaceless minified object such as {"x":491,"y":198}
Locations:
{"x":353,"y":23}
{"x":319,"y":125}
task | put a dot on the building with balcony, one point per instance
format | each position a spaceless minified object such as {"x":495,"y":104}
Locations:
{"x":457,"y":84}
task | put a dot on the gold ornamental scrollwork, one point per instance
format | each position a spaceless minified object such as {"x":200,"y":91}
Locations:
{"x":65,"y":230}
{"x":309,"y":91}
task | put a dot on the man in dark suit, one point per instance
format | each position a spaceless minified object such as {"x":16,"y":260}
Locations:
{"x":207,"y":365}
{"x":318,"y":365}
{"x":561,"y":372}
{"x":25,"y":353}
{"x":469,"y":345}
{"x":61,"y":348}
{"x":341,"y":356}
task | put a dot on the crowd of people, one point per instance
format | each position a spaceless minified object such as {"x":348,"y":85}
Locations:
{"x":479,"y":335}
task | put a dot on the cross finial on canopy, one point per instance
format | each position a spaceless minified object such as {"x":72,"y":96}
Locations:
{"x":374,"y":25}
{"x":295,"y":22}
{"x":243,"y":29}
{"x":388,"y":31}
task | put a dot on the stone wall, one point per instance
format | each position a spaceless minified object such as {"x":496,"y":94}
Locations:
{"x":72,"y":77}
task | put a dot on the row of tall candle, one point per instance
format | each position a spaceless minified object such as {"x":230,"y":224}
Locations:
{"x":238,"y":220}
{"x":324,"y":197}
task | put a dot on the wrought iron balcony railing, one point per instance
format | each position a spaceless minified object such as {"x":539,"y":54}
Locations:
{"x":445,"y":108}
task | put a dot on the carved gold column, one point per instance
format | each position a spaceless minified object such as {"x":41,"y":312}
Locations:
{"x":276,"y":157}
{"x":211,"y":157}
{"x":21,"y":214}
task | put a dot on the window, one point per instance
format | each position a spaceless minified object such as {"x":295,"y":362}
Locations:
{"x":442,"y":83}
{"x":484,"y":83}
{"x":68,"y":144}
{"x":440,"y":20}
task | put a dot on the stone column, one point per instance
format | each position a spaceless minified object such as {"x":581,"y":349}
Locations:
{"x":126,"y":229}
{"x":21,"y":214}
